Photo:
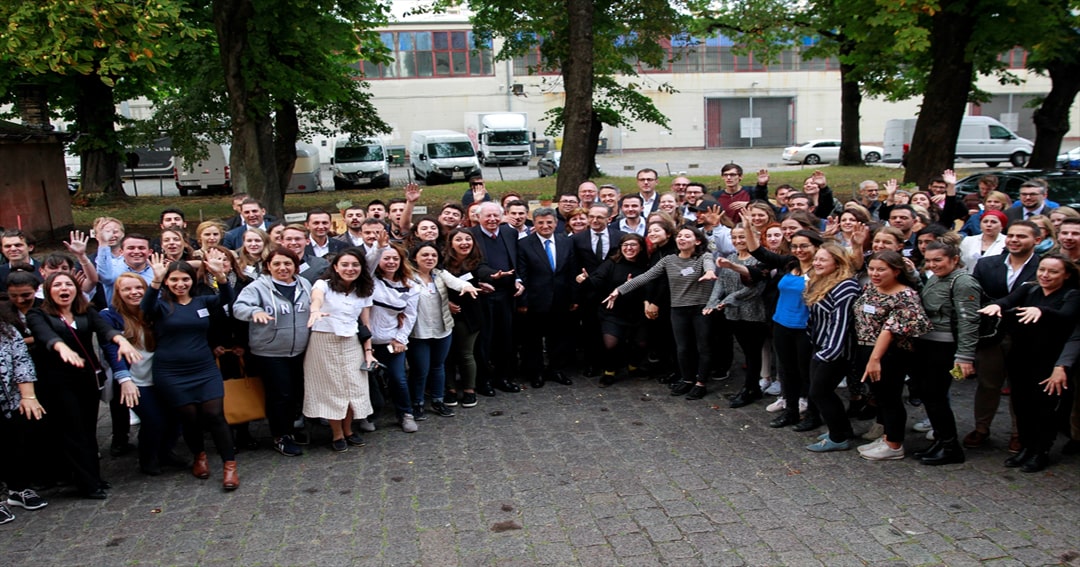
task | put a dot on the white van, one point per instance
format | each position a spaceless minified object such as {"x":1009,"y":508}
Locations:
{"x":360,"y":162}
{"x":307,"y":171}
{"x":981,"y":139}
{"x":210,"y":174}
{"x":438,"y":156}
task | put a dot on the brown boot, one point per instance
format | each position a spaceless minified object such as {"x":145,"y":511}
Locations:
{"x":201,"y":468}
{"x":232,"y":479}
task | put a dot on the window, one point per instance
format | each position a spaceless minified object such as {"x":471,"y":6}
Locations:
{"x":1015,"y":58}
{"x":424,"y":54}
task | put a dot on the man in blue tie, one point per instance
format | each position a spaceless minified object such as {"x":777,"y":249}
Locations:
{"x":547,"y":266}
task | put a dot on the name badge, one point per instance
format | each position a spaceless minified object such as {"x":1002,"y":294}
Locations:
{"x":687,"y":271}
{"x":466,"y":276}
{"x":203,"y":313}
{"x":869,"y":309}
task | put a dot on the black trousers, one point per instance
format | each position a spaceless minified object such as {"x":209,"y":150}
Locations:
{"x":495,"y":349}
{"x":545,"y":328}
{"x":693,"y":346}
{"x":15,"y":469}
{"x":1036,"y":411}
{"x":930,"y":371}
{"x":793,"y":349}
{"x":72,"y":401}
{"x":889,"y":390}
{"x":283,"y":380}
{"x":751,"y":336}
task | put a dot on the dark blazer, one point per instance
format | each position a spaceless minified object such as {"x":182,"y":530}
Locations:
{"x":547,"y":290}
{"x":5,"y":271}
{"x":503,"y":250}
{"x":234,"y":239}
{"x":585,"y":252}
{"x":1017,"y":213}
{"x":238,"y":220}
{"x":49,"y":330}
{"x":333,"y":243}
{"x":990,"y":271}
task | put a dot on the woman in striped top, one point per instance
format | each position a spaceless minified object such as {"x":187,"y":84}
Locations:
{"x":690,"y":276}
{"x":831,"y":292}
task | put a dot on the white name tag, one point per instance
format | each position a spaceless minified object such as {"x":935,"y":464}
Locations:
{"x":687,"y":271}
{"x":869,"y":309}
{"x":203,"y":313}
{"x":466,"y":277}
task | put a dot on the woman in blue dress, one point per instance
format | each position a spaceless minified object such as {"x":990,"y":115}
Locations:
{"x":184,"y":367}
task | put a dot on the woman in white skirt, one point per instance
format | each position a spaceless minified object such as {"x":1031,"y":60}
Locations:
{"x":335,"y":387}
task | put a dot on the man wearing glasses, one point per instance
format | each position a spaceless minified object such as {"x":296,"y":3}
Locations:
{"x":646,"y":182}
{"x":733,"y":197}
{"x":868,"y":197}
{"x":678,"y":187}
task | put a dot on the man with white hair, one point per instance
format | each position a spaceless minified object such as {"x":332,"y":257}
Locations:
{"x":499,"y":245}
{"x":868,"y":197}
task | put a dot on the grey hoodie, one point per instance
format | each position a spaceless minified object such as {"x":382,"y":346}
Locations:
{"x":287,"y":334}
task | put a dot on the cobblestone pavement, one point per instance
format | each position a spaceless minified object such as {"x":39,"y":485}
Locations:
{"x":578,"y":475}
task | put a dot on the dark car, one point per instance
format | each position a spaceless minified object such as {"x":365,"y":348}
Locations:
{"x":1064,"y":185}
{"x":549,"y":164}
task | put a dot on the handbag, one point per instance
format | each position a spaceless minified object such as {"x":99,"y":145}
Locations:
{"x":245,"y":398}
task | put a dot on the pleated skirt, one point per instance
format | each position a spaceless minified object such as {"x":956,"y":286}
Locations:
{"x":333,"y":381}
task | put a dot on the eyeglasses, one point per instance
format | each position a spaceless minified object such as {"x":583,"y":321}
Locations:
{"x":477,"y":184}
{"x":1036,"y":194}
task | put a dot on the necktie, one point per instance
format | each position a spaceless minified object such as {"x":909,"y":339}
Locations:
{"x":550,"y":253}
{"x":600,"y":247}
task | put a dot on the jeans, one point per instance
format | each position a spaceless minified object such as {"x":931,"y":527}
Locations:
{"x":692,"y":334}
{"x":427,"y":367}
{"x":396,"y":381}
{"x":793,"y":350}
{"x":932,"y":364}
{"x":824,"y":378}
{"x":283,"y":379}
{"x":158,"y":426}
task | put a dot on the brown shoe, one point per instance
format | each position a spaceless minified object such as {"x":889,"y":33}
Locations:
{"x":976,"y":439}
{"x":201,"y":468}
{"x":231,"y":480}
{"x":1014,"y":444}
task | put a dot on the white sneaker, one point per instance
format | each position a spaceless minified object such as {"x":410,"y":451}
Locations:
{"x":930,"y":435}
{"x":133,"y":418}
{"x":778,"y":405}
{"x":883,"y":452}
{"x":843,"y":383}
{"x":408,"y":424}
{"x":923,"y":426}
{"x":803,"y":404}
{"x":773,"y":389}
{"x":876,"y":431}
{"x":872,"y":444}
{"x":764,"y":384}
{"x":366,"y":425}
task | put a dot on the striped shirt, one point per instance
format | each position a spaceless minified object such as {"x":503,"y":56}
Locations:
{"x":831,"y":321}
{"x":682,"y":276}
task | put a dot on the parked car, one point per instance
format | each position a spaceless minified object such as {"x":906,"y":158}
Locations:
{"x":825,"y":151}
{"x":1064,"y":185}
{"x":1069,"y":159}
{"x":549,"y":164}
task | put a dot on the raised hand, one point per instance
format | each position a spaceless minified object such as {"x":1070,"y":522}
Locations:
{"x":76,"y":243}
{"x":949,"y":176}
{"x":763,"y":177}
{"x":384,"y":238}
{"x":819,"y":179}
{"x":158,"y":264}
{"x":478,"y":193}
{"x":412,"y":192}
{"x":891,"y":186}
{"x":215,"y":262}
{"x":859,"y":236}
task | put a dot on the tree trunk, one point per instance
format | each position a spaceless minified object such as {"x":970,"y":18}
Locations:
{"x":850,"y":101}
{"x":595,"y":128}
{"x":934,"y":141}
{"x":251,"y":162}
{"x":286,"y":131}
{"x":95,"y":114}
{"x":1052,"y":117}
{"x":578,"y":108}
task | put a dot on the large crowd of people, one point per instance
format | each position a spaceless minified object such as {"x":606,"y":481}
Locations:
{"x":892,"y":296}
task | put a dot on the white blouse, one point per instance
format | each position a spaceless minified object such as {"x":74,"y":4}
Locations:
{"x":342,"y":311}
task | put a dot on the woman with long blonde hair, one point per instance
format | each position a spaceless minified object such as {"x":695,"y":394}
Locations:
{"x":829,"y":294}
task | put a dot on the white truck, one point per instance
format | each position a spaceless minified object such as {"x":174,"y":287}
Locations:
{"x":360,"y":162}
{"x":499,"y":137}
{"x":981,"y":139}
{"x":211,"y":174}
{"x":439,"y":156}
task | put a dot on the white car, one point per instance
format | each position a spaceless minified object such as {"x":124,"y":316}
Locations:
{"x":825,"y":151}
{"x":1069,"y":159}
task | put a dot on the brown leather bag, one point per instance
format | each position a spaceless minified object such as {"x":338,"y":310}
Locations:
{"x":245,"y":398}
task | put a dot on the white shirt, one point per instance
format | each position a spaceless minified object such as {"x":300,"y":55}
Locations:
{"x":1010,"y":274}
{"x":638,"y":230}
{"x":603,"y":236}
{"x":971,"y":250}
{"x":343,"y":311}
{"x":320,"y":251}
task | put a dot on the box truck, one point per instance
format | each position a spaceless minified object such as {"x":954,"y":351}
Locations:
{"x":360,"y":162}
{"x":981,"y":139}
{"x":499,"y":137}
{"x":438,"y":156}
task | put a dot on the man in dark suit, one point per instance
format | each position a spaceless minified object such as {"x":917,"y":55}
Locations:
{"x":254,"y":214}
{"x":296,"y":239}
{"x":322,"y":244}
{"x":547,"y":267}
{"x":999,"y":275}
{"x":498,"y":243}
{"x":1032,"y":201}
{"x":591,"y":247}
{"x":16,"y":247}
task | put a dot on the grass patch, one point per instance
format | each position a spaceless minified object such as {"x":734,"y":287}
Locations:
{"x":146,"y":210}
